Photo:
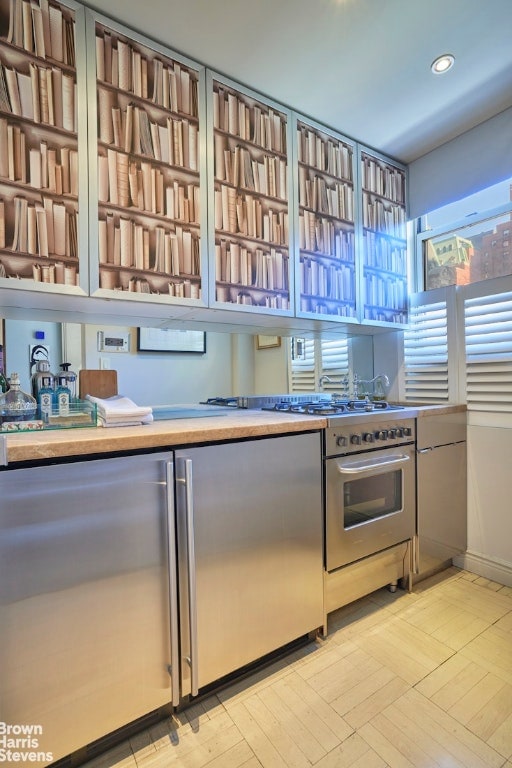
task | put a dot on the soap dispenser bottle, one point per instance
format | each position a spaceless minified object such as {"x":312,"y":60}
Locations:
{"x":62,"y":395}
{"x":70,"y":379}
{"x":45,"y":398}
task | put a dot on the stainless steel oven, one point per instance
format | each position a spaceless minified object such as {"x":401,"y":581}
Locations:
{"x":369,"y":488}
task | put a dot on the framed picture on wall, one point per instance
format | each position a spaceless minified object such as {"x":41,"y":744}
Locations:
{"x":267,"y":342}
{"x":170,"y":340}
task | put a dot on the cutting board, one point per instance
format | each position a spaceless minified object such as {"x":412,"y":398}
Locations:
{"x":97,"y":383}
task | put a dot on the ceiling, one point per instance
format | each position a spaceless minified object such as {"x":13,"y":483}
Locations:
{"x":361,"y":67}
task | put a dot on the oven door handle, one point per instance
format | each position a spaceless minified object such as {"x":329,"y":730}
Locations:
{"x":371,"y":465}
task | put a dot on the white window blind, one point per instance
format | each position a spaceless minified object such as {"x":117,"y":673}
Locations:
{"x":303,"y":369}
{"x":488,"y":338}
{"x":426,"y":354}
{"x":321,"y":357}
{"x":334,"y":362}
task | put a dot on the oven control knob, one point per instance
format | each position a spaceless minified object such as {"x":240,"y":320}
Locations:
{"x":407,"y":431}
{"x":368,"y":437}
{"x":382,"y":434}
{"x":392,"y":434}
{"x":341,"y":441}
{"x":400,"y":432}
{"x":355,"y":439}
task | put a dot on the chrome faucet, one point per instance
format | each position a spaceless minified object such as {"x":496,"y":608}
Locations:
{"x":342,"y":381}
{"x":328,"y":380}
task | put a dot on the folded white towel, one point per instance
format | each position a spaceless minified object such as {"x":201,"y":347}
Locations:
{"x":120,"y":411}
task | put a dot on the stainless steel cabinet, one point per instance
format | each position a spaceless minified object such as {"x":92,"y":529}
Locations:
{"x":442,"y":491}
{"x":93,"y":632}
{"x":256,"y":543}
{"x":84,"y":624}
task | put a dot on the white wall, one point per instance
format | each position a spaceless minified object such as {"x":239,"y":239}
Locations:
{"x":160,"y":378}
{"x":19,"y":336}
{"x":271,"y":368}
{"x":489,"y":497}
{"x":477,"y":159}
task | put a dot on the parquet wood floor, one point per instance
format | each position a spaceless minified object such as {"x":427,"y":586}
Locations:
{"x":421,"y":680}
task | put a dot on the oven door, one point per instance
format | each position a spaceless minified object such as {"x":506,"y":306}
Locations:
{"x":370,"y":503}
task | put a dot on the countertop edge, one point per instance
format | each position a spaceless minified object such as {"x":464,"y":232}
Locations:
{"x":239,"y":425}
{"x":33,"y":446}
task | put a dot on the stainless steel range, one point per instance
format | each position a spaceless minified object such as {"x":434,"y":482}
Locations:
{"x":369,"y":489}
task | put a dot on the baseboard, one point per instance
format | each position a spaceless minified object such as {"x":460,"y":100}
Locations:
{"x":496,"y":570}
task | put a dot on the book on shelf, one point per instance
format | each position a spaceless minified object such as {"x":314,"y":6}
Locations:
{"x":68,"y":102}
{"x":126,"y":239}
{"x":50,"y":229}
{"x":105,"y":106}
{"x":59,"y":229}
{"x":28,"y":28}
{"x":11,"y":80}
{"x":122,"y":183}
{"x":56,"y":33}
{"x":103,"y":173}
{"x":5,"y":102}
{"x":35,"y":167}
{"x":112,"y":177}
{"x":42,"y":231}
{"x":31,"y":230}
{"x":2,"y":224}
{"x":125,"y":65}
{"x":45,"y":12}
{"x":5,"y":152}
{"x":36,"y":105}
{"x":100,"y":57}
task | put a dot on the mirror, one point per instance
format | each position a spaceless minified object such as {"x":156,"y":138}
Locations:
{"x":232,"y":364}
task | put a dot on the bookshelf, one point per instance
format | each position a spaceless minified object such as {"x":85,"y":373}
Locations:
{"x":39,"y":145}
{"x":249,"y":198}
{"x":147,"y":167}
{"x":128,"y":171}
{"x":325,"y":214}
{"x":384,"y":239}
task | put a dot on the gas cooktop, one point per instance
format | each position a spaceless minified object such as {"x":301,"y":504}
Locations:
{"x":310,"y":403}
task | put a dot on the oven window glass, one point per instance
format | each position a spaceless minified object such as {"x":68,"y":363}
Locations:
{"x":372,"y":497}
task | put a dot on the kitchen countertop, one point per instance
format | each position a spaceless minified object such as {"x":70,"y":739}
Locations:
{"x":234,"y":424}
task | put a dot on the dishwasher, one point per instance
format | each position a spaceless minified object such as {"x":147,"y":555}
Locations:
{"x":441,"y":479}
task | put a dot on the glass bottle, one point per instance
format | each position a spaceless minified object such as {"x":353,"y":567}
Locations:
{"x":42,"y":371}
{"x":379,"y":393}
{"x":45,"y":398}
{"x":62,"y":395}
{"x":16,"y":405}
{"x":70,"y":379}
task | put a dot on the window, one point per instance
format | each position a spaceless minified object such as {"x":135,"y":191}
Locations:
{"x":425,"y":372}
{"x":458,"y":347}
{"x":320,"y":357}
{"x":488,"y":347}
{"x":460,"y":256}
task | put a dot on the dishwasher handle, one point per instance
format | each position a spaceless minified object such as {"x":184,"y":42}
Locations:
{"x":174,"y":666}
{"x":367,"y":466}
{"x":192,"y":660}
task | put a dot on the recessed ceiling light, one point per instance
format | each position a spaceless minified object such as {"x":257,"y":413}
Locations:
{"x":442,"y":64}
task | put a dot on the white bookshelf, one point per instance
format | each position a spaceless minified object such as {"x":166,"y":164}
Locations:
{"x":249,"y":199}
{"x":384,"y":239}
{"x":41,"y":181}
{"x":148,"y":169}
{"x":325,"y":203}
